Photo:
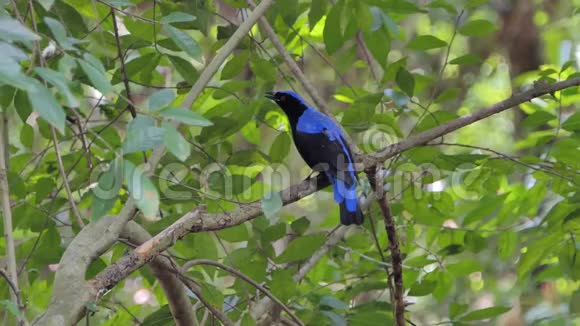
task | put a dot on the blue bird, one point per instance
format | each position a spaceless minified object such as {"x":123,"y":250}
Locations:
{"x":321,"y":144}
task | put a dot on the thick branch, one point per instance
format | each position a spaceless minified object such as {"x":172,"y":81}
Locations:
{"x":164,"y":270}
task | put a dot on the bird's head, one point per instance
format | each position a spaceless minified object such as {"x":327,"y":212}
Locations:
{"x":289,"y":101}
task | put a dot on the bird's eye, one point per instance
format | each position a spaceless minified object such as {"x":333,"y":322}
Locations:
{"x":282,"y":98}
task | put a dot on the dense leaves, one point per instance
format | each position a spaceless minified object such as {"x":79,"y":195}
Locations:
{"x":487,"y":216}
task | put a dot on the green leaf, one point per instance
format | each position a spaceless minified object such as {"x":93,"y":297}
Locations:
{"x":212,"y":294}
{"x":184,"y":42}
{"x":426,"y":42}
{"x":300,"y":225}
{"x":161,"y":317}
{"x":237,"y":233}
{"x":177,"y":17}
{"x":11,"y":73}
{"x":332,"y":32}
{"x":456,"y":309}
{"x":333,"y":302}
{"x":235,"y":65}
{"x":96,"y":77}
{"x":335,"y":319}
{"x":175,"y":143}
{"x":141,"y":189}
{"x":485,"y":313}
{"x":263,"y":68}
{"x":274,"y":232}
{"x":464,"y":267}
{"x":60,"y":82}
{"x":59,"y":33}
{"x":536,"y":252}
{"x":142,"y":134}
{"x":477,"y":27}
{"x":161,"y":99}
{"x":44,"y":103}
{"x":12,"y":30}
{"x":12,"y":307}
{"x":184,"y":68}
{"x":185,"y":116}
{"x":271,"y":204}
{"x":537,"y":119}
{"x":379,"y":44}
{"x":301,"y":248}
{"x":448,"y":95}
{"x":280,"y":148}
{"x":282,"y":285}
{"x":105,"y":194}
{"x":424,"y":288}
{"x":475,"y":3}
{"x":468,"y":59}
{"x":405,"y":81}
{"x":507,"y":243}
{"x":317,"y":10}
{"x":572,"y":123}
{"x":444,"y":5}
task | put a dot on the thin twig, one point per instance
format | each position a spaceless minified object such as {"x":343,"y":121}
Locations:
{"x":63,"y":174}
{"x":239,"y":275}
{"x":12,"y":276}
{"x":123,"y":70}
{"x":194,"y":287}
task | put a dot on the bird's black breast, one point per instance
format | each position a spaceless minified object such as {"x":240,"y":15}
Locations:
{"x":323,"y":154}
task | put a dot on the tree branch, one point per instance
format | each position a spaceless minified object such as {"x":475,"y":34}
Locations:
{"x":7,"y":223}
{"x":223,"y":54}
{"x":397,"y":262}
{"x":194,"y":287}
{"x":69,"y":194}
{"x":122,"y":60}
{"x":201,"y":222}
{"x":238,"y":274}
{"x":537,"y":90}
{"x":261,"y":309}
{"x":67,"y":305}
{"x":163,"y":269}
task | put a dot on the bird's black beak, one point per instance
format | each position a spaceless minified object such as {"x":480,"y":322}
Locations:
{"x":269,"y":95}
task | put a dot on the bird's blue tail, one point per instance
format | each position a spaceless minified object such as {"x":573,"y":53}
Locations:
{"x":347,"y":199}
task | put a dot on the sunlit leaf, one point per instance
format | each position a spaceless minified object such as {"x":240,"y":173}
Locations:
{"x":478,"y":27}
{"x":426,"y":42}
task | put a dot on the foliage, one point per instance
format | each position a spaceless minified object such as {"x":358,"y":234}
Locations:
{"x":488,"y":217}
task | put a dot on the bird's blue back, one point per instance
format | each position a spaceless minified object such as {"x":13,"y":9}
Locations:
{"x":312,"y":121}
